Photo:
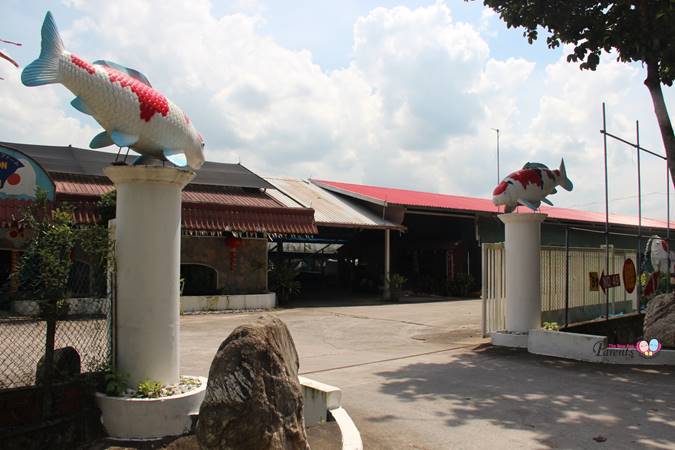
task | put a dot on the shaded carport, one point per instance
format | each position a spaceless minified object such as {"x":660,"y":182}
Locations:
{"x":351,"y":251}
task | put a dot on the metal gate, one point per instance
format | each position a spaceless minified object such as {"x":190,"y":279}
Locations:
{"x":584,"y":303}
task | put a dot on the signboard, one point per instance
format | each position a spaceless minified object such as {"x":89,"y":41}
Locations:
{"x":629,"y":275}
{"x":593,"y":281}
{"x":609,"y":281}
{"x":20,"y":176}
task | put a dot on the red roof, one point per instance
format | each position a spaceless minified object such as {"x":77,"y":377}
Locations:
{"x":203,"y":217}
{"x":73,"y":185}
{"x":404,"y":197}
{"x":205,"y":208}
{"x":195,"y":217}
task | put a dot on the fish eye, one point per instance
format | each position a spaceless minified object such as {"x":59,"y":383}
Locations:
{"x":203,"y":145}
{"x":509,"y":182}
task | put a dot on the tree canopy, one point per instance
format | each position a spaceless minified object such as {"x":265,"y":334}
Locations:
{"x":639,"y":31}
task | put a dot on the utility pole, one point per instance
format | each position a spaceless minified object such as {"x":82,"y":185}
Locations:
{"x":498,"y":177}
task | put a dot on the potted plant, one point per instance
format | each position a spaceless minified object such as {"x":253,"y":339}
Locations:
{"x":395,"y":282}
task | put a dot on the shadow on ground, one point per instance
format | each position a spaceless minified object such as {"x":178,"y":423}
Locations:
{"x":565,"y":403}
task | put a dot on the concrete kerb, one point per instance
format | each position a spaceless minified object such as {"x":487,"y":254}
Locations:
{"x":513,"y":339}
{"x":322,"y":400}
{"x":240,"y":302}
{"x":591,"y":348}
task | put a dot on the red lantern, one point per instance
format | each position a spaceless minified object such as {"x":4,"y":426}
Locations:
{"x":233,"y":243}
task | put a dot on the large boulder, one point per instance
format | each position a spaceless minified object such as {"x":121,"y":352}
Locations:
{"x":660,"y":320}
{"x":253,"y":397}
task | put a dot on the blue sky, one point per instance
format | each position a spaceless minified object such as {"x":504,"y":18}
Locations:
{"x":394,"y":93}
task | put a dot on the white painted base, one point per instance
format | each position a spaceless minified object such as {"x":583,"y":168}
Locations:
{"x":200,"y":303}
{"x":506,"y":339}
{"x":150,"y":418}
{"x":351,"y":438}
{"x":319,"y":399}
{"x":591,"y":348}
{"x":322,"y":400}
{"x":582,"y":347}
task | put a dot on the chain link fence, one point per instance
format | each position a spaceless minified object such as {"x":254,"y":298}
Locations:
{"x":55,"y":303}
{"x":81,"y":323}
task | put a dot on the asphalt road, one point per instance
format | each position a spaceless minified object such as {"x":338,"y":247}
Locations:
{"x":418,"y":376}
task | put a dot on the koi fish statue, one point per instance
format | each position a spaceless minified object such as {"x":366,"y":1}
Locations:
{"x":657,"y":253}
{"x":132,"y":113}
{"x":530,"y":186}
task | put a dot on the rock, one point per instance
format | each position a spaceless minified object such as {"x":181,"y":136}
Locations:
{"x":659,"y":320}
{"x":66,"y":366}
{"x":253,"y":397}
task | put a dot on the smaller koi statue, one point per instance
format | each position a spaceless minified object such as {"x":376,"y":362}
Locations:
{"x":530,"y":186}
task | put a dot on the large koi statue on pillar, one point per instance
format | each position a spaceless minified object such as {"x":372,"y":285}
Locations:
{"x":530,"y":186}
{"x":132,"y":113}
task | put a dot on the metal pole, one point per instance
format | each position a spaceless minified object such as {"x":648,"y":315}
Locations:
{"x":668,"y":222}
{"x":638,"y":255}
{"x":387,"y":288}
{"x":604,"y":138}
{"x":498,"y":177}
{"x":567,"y":275}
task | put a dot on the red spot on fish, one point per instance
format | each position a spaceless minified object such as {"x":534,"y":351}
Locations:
{"x":528,"y":176}
{"x":664,"y":245}
{"x":82,"y":64}
{"x":14,"y":179}
{"x":501,"y":187}
{"x":550,"y":174}
{"x":150,"y":100}
{"x":187,"y":119}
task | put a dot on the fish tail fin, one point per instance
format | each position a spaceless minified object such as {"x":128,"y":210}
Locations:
{"x":565,"y":182}
{"x":45,"y":69}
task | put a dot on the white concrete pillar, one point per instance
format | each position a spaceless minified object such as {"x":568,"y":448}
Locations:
{"x":387,"y":289}
{"x":523,"y":273}
{"x":147,"y":252}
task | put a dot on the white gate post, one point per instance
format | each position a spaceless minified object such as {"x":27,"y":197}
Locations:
{"x":522,"y":246}
{"x":147,"y":252}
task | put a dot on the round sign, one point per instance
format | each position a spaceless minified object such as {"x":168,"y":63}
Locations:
{"x":629,"y":275}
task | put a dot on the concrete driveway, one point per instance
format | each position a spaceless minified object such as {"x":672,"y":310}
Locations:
{"x":418,"y":376}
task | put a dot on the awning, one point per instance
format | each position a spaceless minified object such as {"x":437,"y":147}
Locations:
{"x":196,"y":217}
{"x":264,"y":220}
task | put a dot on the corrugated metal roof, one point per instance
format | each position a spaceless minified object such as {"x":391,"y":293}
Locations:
{"x":329,"y":209}
{"x":195,"y":217}
{"x":73,"y":185}
{"x":74,"y":160}
{"x":202,"y":217}
{"x":409,"y":198}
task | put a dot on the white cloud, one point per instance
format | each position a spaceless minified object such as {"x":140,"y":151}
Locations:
{"x":414,"y":107}
{"x":37,"y":117}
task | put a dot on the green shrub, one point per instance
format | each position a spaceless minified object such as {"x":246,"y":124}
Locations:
{"x":116,"y":383}
{"x":461,"y":285}
{"x":149,"y":389}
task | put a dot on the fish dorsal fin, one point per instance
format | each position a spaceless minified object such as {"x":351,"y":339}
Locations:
{"x":133,"y":73}
{"x":534,"y":165}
